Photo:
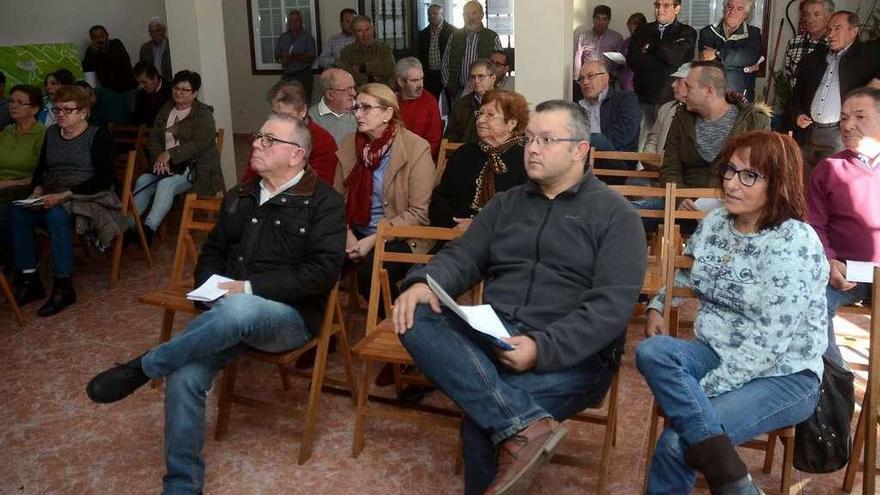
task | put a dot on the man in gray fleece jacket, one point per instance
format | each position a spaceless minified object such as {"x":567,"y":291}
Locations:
{"x":562,"y":258}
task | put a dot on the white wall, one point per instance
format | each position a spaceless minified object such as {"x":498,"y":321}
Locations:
{"x":247,"y":91}
{"x":54,"y":21}
{"x":543,"y":45}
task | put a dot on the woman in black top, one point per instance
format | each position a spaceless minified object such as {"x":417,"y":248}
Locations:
{"x":478,"y":170}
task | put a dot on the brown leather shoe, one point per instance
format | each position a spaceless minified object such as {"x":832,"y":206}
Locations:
{"x":523,"y":454}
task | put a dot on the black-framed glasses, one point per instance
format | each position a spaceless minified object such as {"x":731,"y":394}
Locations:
{"x":267,"y":141}
{"x":64,"y":110}
{"x":182,"y":90}
{"x":545,"y":141}
{"x":590,"y":76}
{"x":747,"y":177}
{"x":479,"y":77}
{"x":365,"y":107}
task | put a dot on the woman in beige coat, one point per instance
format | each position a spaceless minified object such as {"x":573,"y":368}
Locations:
{"x":388,"y":174}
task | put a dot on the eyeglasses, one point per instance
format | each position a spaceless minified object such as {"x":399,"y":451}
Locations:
{"x":488,"y":115}
{"x":182,"y":90}
{"x":546,"y":141}
{"x":479,"y":77}
{"x":365,"y":108}
{"x":746,"y":177}
{"x":64,"y":110}
{"x":21,"y":103}
{"x":344,"y":90}
{"x":664,"y":6}
{"x":267,"y":141}
{"x":590,"y":76}
{"x":500,"y":64}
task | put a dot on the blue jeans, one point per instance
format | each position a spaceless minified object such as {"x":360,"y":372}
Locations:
{"x":191,"y":359}
{"x":651,"y":224}
{"x":837,"y":298}
{"x":497,"y":402}
{"x":162,"y":191}
{"x":673,"y":368}
{"x":58,"y":223}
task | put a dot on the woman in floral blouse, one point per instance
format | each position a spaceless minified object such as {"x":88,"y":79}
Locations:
{"x":759,"y":273}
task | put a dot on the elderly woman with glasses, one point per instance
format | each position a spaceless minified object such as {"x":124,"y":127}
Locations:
{"x":735,"y":44}
{"x":755,"y":365}
{"x":75,"y":166}
{"x":477,"y":171}
{"x":183,"y":150}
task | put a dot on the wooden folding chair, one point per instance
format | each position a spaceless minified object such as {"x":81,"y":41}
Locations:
{"x":446,"y":148}
{"x":173,"y":298}
{"x":128,"y":211}
{"x":676,"y":261}
{"x":127,"y":138}
{"x":381,"y":345}
{"x":10,"y":299}
{"x":651,"y":158}
{"x":865,"y":438}
{"x":331,"y":324}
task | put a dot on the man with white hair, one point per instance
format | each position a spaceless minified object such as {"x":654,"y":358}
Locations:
{"x":333,"y":111}
{"x":418,"y":107}
{"x":157,"y":51}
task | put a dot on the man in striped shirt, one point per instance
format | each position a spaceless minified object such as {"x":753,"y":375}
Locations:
{"x":330,"y":54}
{"x":464,"y":47}
{"x":815,"y":14}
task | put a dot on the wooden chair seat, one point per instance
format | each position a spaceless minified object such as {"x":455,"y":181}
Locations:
{"x":172,"y":298}
{"x":383,"y":345}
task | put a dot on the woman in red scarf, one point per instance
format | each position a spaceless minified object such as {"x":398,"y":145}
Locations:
{"x":388,"y":174}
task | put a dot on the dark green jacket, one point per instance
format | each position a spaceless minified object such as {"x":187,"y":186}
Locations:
{"x":196,"y":134}
{"x":682,"y":163}
{"x":377,"y":59}
{"x":458,"y":40}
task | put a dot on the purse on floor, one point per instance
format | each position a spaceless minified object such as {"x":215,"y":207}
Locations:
{"x":823,"y":443}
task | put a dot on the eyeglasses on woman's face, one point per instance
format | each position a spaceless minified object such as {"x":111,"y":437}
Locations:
{"x":65,"y":110}
{"x":365,"y":107}
{"x":747,"y":177}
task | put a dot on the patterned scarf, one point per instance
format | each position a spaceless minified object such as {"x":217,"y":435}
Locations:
{"x":360,"y":181}
{"x":494,"y":166}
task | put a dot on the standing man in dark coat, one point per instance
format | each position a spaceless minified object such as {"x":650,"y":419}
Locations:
{"x":432,"y":42}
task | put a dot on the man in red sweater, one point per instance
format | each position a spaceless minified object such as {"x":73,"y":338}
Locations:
{"x":418,"y":107}
{"x":843,"y":200}
{"x":288,"y":97}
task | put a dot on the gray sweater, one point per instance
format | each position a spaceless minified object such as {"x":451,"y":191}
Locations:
{"x":569,"y":268}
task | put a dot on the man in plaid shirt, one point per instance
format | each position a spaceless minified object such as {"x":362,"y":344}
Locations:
{"x":815,"y":16}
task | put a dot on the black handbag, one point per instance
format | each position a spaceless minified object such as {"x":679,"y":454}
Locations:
{"x":823,"y":443}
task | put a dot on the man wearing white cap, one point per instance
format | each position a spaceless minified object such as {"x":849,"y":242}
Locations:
{"x":655,"y":140}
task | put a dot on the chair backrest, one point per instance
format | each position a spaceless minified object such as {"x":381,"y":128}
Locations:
{"x":127,"y":138}
{"x":446,"y":149}
{"x":380,"y":287}
{"x":219,"y":140}
{"x":198,"y":216}
{"x":650,"y":158}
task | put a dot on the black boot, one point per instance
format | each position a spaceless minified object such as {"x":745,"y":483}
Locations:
{"x":27,"y":288}
{"x":118,"y":382}
{"x":62,"y":296}
{"x":725,"y":472}
{"x":148,"y":235}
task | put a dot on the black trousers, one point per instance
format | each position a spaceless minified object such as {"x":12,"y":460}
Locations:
{"x":396,"y":271}
{"x":434,"y":82}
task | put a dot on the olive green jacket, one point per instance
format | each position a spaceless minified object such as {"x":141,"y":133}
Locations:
{"x":377,"y":59}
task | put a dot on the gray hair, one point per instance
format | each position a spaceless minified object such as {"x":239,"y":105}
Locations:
{"x":300,"y":134}
{"x":485,"y":63}
{"x":868,"y":91}
{"x":750,"y":4}
{"x":325,"y":80}
{"x":829,"y":4}
{"x":157,"y":20}
{"x":475,"y":2}
{"x":404,"y":65}
{"x":577,"y":117}
{"x":362,"y":18}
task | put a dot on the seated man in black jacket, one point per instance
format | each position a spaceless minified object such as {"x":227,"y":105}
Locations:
{"x":563,"y":258}
{"x":281,"y":238}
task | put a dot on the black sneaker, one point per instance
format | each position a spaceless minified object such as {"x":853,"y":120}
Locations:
{"x":118,"y":382}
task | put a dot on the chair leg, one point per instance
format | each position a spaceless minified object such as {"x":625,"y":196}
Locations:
{"x":285,"y":378}
{"x":856,"y":458}
{"x":117,"y":260}
{"x":770,"y":452}
{"x":652,"y":443}
{"x":227,"y":392}
{"x":305,"y":448}
{"x":605,"y":462}
{"x":139,"y":226}
{"x":10,"y":297}
{"x":354,"y":302}
{"x":345,"y":350}
{"x":360,"y":413}
{"x":164,"y":336}
{"x":459,"y":456}
{"x":398,"y":384}
{"x":787,"y":463}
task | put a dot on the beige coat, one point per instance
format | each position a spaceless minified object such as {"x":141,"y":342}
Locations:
{"x":408,"y":181}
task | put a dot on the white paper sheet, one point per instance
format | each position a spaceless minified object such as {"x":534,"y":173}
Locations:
{"x":29,"y":201}
{"x":481,"y":318}
{"x":708,"y":204}
{"x":209,"y":291}
{"x":860,"y":271}
{"x":615,"y":57}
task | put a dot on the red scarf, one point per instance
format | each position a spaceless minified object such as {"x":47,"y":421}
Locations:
{"x":359,"y":183}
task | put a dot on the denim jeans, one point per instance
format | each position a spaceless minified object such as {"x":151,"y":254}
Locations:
{"x":58,"y":223}
{"x":162,"y":191}
{"x":673,"y":368}
{"x":837,"y":298}
{"x":651,"y":224}
{"x":191,"y":359}
{"x":497,"y":402}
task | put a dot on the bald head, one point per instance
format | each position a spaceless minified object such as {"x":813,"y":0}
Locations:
{"x":338,"y":88}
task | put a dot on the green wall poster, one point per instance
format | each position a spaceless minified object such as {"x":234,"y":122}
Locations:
{"x":29,"y":64}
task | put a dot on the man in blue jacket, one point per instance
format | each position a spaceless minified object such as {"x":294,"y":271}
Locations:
{"x":613,"y":116}
{"x":563,"y":258}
